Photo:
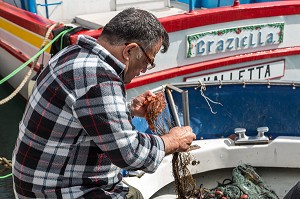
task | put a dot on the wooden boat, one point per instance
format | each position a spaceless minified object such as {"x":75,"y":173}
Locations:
{"x":237,"y":41}
{"x":262,"y":114}
{"x":246,"y":54}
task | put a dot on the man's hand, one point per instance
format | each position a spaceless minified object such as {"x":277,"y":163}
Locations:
{"x":138,"y":106}
{"x":179,"y":139}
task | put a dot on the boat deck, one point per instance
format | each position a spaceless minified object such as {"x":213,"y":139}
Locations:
{"x":98,"y":20}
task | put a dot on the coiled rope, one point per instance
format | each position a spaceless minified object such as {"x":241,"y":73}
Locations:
{"x":35,"y":58}
{"x":7,"y":165}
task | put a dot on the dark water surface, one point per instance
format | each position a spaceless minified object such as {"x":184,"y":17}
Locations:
{"x":10,"y":116}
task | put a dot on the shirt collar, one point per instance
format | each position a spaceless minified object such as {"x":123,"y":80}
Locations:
{"x":90,"y":43}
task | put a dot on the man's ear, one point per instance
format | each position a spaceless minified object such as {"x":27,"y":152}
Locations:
{"x":128,"y":49}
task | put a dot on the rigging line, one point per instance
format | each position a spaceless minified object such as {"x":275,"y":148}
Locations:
{"x":207,"y":99}
{"x":62,"y":37}
{"x":32,"y":58}
{"x":6,"y":176}
{"x":27,"y":76}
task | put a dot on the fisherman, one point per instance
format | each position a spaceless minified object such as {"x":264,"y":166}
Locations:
{"x":76,"y":133}
{"x":294,"y":192}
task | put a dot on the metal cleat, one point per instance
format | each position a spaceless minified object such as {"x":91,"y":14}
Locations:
{"x":241,"y":132}
{"x":244,"y":139}
{"x":261,"y":132}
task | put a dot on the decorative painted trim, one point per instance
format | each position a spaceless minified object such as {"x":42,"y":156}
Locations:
{"x":23,"y":34}
{"x":25,"y":19}
{"x":17,"y":54}
{"x":193,"y":68}
{"x":222,"y":36}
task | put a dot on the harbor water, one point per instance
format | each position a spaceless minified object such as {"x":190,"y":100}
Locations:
{"x":10,"y":116}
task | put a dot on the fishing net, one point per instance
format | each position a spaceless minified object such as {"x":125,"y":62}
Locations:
{"x":160,"y":122}
{"x":245,"y":184}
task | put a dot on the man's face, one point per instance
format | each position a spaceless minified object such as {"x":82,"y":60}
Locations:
{"x":139,"y":61}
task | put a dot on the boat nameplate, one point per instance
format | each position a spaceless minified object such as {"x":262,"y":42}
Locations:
{"x":234,"y":39}
{"x":269,"y":70}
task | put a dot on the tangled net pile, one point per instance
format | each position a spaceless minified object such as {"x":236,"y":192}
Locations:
{"x":159,"y":122}
{"x":5,"y":163}
{"x":245,"y":184}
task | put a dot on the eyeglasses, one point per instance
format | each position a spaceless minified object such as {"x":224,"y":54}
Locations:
{"x":151,"y":63}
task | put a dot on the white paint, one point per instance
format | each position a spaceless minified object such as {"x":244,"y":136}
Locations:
{"x":142,"y":4}
{"x":69,"y":9}
{"x":257,"y":72}
{"x":216,"y":154}
{"x":8,"y":64}
{"x":176,"y":55}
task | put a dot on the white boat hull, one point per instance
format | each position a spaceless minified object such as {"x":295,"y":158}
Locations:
{"x":277,"y":162}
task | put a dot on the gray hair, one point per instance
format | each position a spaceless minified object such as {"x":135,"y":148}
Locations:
{"x":138,"y":26}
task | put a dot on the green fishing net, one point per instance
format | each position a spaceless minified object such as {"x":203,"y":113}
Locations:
{"x":245,"y":184}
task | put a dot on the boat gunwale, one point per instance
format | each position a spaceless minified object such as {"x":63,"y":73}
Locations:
{"x":39,"y":24}
{"x":30,"y":21}
{"x":225,"y":14}
{"x":230,"y":82}
{"x":223,"y":149}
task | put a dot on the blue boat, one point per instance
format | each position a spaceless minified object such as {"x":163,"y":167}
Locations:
{"x":236,"y":122}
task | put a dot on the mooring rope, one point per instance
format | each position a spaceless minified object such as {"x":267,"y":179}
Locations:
{"x":35,"y":57}
{"x":7,"y":165}
{"x":21,"y":85}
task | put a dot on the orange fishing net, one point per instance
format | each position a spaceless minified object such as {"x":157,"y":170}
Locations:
{"x":156,"y":105}
{"x":159,"y":122}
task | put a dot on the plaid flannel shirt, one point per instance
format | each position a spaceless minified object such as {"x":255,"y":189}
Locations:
{"x":76,"y":132}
